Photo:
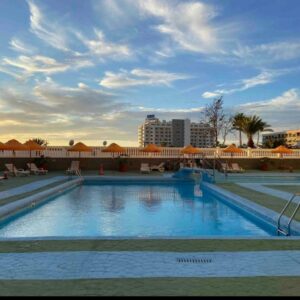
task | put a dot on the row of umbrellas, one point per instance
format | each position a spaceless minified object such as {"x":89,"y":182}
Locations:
{"x":14,"y":145}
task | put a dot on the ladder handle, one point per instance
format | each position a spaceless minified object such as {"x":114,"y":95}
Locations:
{"x":292,"y":217}
{"x":284,"y":209}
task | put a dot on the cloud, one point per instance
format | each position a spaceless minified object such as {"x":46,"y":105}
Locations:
{"x":265,"y":77}
{"x":43,"y":64}
{"x":281,"y":112}
{"x":103,"y":48}
{"x":138,"y":77}
{"x":19,"y":46}
{"x":271,"y":52}
{"x":48,"y":31}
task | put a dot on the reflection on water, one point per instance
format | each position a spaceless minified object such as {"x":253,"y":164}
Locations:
{"x":132,"y":210}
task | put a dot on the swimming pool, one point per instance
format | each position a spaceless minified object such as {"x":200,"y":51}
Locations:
{"x":116,"y":209}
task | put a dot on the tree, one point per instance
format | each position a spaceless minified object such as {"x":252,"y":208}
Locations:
{"x":214,"y":116}
{"x":264,"y":127}
{"x":238,"y":124}
{"x":226,"y":128}
{"x":253,"y":125}
{"x":40,"y":142}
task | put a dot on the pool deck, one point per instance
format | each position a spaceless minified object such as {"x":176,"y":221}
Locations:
{"x":22,"y":265}
{"x":260,"y":187}
{"x":94,"y":265}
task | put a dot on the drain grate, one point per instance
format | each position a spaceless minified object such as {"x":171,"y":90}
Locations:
{"x":194,"y":260}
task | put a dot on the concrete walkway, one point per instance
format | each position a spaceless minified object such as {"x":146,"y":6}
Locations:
{"x":259,"y":187}
{"x":30,"y":187}
{"x":89,"y":264}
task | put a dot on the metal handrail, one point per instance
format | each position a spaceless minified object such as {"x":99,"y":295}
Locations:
{"x":294,"y":214}
{"x":280,"y":230}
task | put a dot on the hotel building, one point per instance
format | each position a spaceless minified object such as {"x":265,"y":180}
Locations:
{"x":175,"y":133}
{"x":291,"y":137}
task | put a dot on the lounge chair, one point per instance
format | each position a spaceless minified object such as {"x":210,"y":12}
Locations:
{"x":145,"y":168}
{"x":74,"y":168}
{"x":159,"y":168}
{"x":236,"y":168}
{"x":225,"y":168}
{"x":35,"y":170}
{"x":12,"y":170}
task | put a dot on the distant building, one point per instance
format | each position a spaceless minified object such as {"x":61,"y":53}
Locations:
{"x":290,"y":137}
{"x":175,"y":133}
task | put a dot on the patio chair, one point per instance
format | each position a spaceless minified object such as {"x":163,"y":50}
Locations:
{"x":236,"y":168}
{"x":74,"y":168}
{"x":225,"y":168}
{"x":159,"y":167}
{"x":145,"y":168}
{"x":12,"y":170}
{"x":35,"y":170}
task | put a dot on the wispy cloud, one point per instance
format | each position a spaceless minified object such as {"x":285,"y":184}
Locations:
{"x":282,"y":112}
{"x":18,"y":46}
{"x":103,"y":48}
{"x":48,"y":31}
{"x":265,"y":77}
{"x":138,"y":77}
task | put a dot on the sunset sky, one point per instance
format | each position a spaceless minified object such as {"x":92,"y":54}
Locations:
{"x":91,"y":70}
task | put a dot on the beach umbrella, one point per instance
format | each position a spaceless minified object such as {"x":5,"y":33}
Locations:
{"x":233,"y":149}
{"x":190,"y":150}
{"x":3,"y":147}
{"x":80,"y":147}
{"x":14,"y":145}
{"x":282,"y":150}
{"x":33,"y":146}
{"x":151,"y":148}
{"x":114,"y":148}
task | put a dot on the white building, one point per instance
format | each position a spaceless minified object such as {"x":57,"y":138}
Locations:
{"x":175,"y":133}
{"x":291,"y":137}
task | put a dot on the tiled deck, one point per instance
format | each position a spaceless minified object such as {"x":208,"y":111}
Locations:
{"x":87,"y":265}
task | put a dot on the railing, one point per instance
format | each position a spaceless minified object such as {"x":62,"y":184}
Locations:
{"x":281,"y":230}
{"x":135,"y":152}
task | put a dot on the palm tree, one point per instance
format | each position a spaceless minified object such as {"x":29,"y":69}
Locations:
{"x":252,"y":125}
{"x":238,"y":124}
{"x":264,"y":127}
{"x":40,"y":141}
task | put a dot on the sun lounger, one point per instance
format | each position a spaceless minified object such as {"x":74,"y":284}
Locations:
{"x":226,"y":168}
{"x":12,"y":170}
{"x":35,"y":170}
{"x":236,"y":168}
{"x":159,"y":168}
{"x":145,"y":168}
{"x":74,"y":168}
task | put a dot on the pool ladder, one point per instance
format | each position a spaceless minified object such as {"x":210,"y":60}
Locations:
{"x":288,"y":231}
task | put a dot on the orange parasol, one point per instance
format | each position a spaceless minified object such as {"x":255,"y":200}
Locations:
{"x":151,"y":148}
{"x":2,"y":147}
{"x":282,"y":150}
{"x":80,"y":147}
{"x":114,"y":148}
{"x":233,"y":149}
{"x":190,"y":150}
{"x":15,"y":145}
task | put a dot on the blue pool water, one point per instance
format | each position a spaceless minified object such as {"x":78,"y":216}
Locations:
{"x":132,"y":210}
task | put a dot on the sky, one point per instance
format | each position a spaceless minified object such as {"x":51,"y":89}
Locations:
{"x":91,"y":70}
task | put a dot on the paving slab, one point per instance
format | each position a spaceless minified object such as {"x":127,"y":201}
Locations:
{"x":93,"y":265}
